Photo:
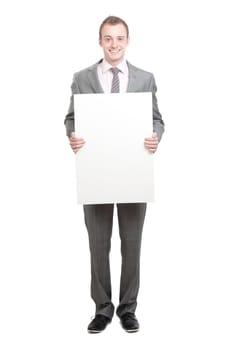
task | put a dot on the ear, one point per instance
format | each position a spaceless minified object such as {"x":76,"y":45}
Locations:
{"x":128,"y":40}
{"x":100,"y":42}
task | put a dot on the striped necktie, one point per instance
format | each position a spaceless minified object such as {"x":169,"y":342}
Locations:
{"x":115,"y":80}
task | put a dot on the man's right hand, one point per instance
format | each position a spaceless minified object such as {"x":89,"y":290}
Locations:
{"x":76,"y":142}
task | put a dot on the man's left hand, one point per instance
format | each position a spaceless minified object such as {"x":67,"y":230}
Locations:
{"x":151,"y":143}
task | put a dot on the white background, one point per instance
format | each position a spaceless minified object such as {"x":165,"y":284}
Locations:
{"x":185,"y":299}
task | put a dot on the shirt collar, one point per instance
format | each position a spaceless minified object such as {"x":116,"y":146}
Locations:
{"x":105,"y":66}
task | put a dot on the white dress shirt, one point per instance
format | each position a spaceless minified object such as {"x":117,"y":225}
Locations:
{"x":105,"y":75}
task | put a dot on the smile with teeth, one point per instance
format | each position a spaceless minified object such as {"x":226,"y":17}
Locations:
{"x":114,"y":51}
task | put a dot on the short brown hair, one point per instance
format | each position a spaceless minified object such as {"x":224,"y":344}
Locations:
{"x":113,"y":20}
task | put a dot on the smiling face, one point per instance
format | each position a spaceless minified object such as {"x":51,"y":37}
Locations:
{"x":114,"y":41}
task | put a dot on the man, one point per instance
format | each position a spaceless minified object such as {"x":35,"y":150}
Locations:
{"x":114,"y":74}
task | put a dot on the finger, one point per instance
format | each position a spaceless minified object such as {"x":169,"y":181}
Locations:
{"x":151,"y":148}
{"x":76,"y":146}
{"x":77,"y":141}
{"x":151,"y":144}
{"x":153,"y":139}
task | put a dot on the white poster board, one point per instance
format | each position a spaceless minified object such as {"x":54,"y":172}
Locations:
{"x":113,"y":166}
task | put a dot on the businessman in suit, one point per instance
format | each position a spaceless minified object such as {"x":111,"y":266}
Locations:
{"x":114,"y":74}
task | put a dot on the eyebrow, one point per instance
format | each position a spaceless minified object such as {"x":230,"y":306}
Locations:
{"x":118,"y":36}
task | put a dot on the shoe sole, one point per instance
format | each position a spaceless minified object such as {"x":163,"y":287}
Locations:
{"x":94,"y":332}
{"x":132,"y":330}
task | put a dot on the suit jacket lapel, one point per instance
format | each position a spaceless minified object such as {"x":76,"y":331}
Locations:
{"x":93,"y":78}
{"x":132,"y":78}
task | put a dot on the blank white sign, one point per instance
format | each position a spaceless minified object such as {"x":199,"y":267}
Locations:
{"x":113,"y":166}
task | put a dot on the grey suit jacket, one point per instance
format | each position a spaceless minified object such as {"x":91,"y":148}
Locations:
{"x":86,"y":81}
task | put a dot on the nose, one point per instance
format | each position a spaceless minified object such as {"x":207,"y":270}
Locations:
{"x":114,"y":43}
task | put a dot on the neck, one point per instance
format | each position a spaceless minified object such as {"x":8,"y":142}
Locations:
{"x":115,"y":63}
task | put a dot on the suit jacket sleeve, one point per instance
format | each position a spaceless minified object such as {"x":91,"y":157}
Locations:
{"x":69,"y":118}
{"x":158,"y":124}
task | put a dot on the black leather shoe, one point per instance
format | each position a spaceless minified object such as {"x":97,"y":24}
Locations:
{"x":98,"y":324}
{"x":129,"y":322}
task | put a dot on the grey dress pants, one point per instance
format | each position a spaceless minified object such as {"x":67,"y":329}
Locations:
{"x":99,"y":223}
